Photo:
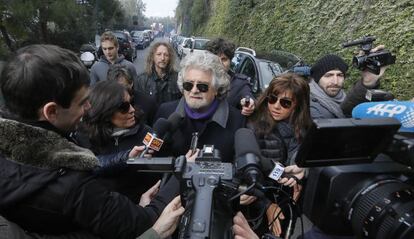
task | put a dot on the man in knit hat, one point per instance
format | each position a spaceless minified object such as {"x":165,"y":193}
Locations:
{"x":327,"y":97}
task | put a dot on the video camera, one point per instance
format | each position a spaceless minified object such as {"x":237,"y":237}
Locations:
{"x":211,"y":189}
{"x":371,"y":61}
{"x":360,"y":179}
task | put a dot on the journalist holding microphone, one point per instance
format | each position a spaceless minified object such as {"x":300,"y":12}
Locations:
{"x":47,"y":182}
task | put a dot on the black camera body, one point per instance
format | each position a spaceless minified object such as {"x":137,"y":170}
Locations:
{"x":371,"y":61}
{"x":206,"y":185}
{"x":366,"y":191}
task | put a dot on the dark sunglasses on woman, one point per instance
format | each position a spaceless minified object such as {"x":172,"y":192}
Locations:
{"x":202,"y":87}
{"x":285,"y":103}
{"x":124,"y":107}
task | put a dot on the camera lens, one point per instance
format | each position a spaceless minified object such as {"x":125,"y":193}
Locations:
{"x":383,"y":209}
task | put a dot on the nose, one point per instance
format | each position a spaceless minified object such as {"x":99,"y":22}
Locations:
{"x":131,"y":109}
{"x":87,"y":106}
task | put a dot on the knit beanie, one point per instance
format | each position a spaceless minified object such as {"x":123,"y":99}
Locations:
{"x":327,"y":63}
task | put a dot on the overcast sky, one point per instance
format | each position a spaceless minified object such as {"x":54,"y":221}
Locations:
{"x":160,"y":8}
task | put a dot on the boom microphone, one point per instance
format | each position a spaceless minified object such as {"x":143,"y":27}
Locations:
{"x":403,"y":111}
{"x":247,"y":155}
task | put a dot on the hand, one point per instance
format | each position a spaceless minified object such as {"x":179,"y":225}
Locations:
{"x":241,"y":228}
{"x":292,"y":170}
{"x":137,"y":150}
{"x":247,"y":199}
{"x":191,"y":156}
{"x":412,"y":100}
{"x":168,"y":221}
{"x":247,"y":110}
{"x":149,"y":195}
{"x":369,"y":79}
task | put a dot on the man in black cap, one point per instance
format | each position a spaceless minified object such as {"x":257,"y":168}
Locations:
{"x":327,"y":97}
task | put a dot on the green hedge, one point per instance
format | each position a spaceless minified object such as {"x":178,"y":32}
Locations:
{"x":313,"y":28}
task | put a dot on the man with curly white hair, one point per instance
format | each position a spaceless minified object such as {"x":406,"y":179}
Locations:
{"x":204,"y":83}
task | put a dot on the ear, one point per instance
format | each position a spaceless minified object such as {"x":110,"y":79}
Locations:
{"x":50,"y":111}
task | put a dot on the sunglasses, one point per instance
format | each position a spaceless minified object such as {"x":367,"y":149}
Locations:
{"x":285,"y":103}
{"x":124,"y":107}
{"x":202,"y":87}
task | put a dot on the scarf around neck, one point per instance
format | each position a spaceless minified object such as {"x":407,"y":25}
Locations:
{"x":332,"y":104}
{"x":201,"y":115}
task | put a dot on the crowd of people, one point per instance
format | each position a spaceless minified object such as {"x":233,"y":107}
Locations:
{"x":66,"y":135}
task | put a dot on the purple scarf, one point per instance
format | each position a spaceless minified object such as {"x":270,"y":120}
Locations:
{"x":203,"y":115}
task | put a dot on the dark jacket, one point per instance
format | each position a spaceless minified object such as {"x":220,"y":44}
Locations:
{"x":239,"y":88}
{"x":146,"y":105}
{"x":280,"y":145}
{"x":47,"y":186}
{"x":356,"y":96}
{"x":162,"y":90}
{"x":115,"y":173}
{"x":99,"y":70}
{"x":218,"y":130}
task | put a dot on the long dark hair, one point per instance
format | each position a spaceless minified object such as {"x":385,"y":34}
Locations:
{"x":105,"y":99}
{"x":300,"y":118}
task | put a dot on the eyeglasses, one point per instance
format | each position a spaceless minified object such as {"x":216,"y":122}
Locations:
{"x":124,"y":107}
{"x":202,"y":87}
{"x":285,"y":103}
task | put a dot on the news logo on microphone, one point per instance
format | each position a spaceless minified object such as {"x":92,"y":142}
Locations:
{"x":401,"y":110}
{"x":152,"y":142}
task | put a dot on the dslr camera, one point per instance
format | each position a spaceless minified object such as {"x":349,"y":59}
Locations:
{"x":371,"y":61}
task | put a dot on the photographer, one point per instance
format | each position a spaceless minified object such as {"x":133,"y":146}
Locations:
{"x":327,"y":97}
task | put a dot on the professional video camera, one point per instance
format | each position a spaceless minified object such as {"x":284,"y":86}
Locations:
{"x":211,"y":189}
{"x":372,"y":61}
{"x":371,"y":198}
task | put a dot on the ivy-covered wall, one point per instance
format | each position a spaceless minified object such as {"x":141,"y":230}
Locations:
{"x":313,"y":28}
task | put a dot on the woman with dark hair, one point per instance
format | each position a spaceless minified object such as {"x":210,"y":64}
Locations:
{"x":114,"y":129}
{"x":280,"y":122}
{"x":144,"y":105}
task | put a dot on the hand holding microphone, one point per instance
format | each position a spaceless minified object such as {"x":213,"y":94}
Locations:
{"x":248,"y":105}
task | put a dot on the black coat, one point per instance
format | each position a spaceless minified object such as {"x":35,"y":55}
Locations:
{"x":162,"y":90}
{"x":239,"y":88}
{"x":47,"y":186}
{"x":218,"y":130}
{"x":115,"y":173}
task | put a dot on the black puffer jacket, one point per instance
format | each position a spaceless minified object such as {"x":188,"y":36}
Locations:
{"x":46,"y":186}
{"x":280,"y":145}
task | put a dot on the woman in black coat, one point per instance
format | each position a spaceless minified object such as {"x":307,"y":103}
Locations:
{"x":280,"y":122}
{"x":113,"y":130}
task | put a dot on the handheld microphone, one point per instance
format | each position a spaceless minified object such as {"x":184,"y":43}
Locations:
{"x":154,"y":140}
{"x":403,"y":111}
{"x":247,"y":155}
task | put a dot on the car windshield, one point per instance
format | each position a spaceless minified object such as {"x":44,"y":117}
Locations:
{"x":268,"y":71}
{"x":200,"y":44}
{"x":137,"y":34}
{"x":120,"y":35}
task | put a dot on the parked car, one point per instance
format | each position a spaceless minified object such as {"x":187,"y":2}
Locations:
{"x":185,"y":42}
{"x":194,"y":45}
{"x":261,"y":68}
{"x":126,"y":45}
{"x":141,"y":39}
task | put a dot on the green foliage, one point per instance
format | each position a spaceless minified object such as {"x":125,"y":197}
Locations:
{"x":313,"y":28}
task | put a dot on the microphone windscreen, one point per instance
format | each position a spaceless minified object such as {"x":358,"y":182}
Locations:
{"x":401,"y":110}
{"x":175,"y":119}
{"x":245,"y":142}
{"x":161,"y":127}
